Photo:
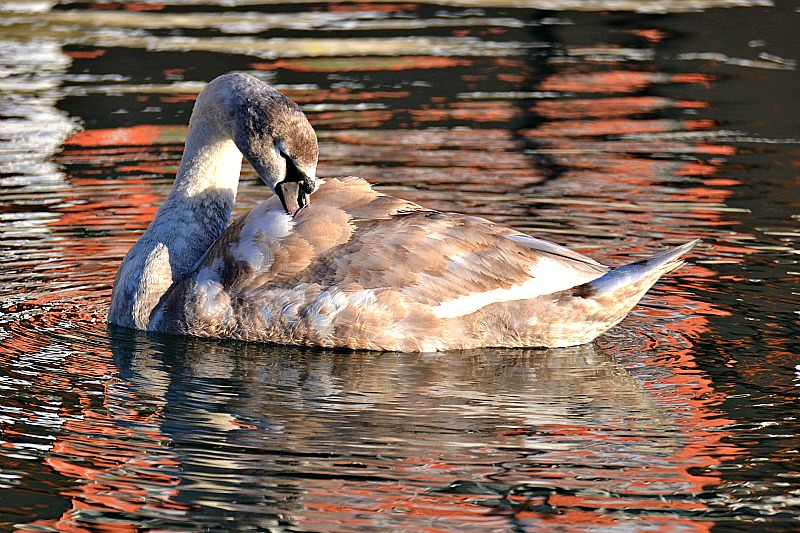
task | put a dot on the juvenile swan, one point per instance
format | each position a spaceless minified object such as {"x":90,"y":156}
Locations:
{"x":354,"y":268}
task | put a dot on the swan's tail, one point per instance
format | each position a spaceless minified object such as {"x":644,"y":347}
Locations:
{"x":584,"y":312}
{"x":634,"y":279}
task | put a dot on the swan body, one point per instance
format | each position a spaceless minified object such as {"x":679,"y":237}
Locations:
{"x":353,"y":268}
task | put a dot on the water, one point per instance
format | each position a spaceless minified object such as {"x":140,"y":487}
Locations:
{"x":616,"y":128}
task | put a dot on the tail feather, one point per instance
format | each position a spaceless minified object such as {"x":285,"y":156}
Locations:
{"x":578,"y":315}
{"x":644,"y":273}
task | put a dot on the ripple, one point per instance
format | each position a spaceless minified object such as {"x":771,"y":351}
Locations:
{"x":605,"y":132}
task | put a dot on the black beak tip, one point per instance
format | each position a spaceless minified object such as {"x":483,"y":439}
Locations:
{"x":309,"y":186}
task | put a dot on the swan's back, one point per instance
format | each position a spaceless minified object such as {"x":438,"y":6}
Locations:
{"x":361,"y":269}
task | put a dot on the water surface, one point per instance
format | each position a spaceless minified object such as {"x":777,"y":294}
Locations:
{"x":615,"y":128}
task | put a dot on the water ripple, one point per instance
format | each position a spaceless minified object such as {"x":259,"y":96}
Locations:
{"x":609,"y":132}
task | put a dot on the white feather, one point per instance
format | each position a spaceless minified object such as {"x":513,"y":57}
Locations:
{"x":262,"y":228}
{"x":212,"y":299}
{"x":547,"y":276}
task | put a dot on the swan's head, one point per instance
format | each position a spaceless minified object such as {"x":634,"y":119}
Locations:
{"x":270,"y":130}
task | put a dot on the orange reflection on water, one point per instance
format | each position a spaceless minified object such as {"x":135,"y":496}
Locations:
{"x":364,"y":64}
{"x":476,"y":112}
{"x":94,"y":445}
{"x":616,"y":81}
{"x":118,"y":470}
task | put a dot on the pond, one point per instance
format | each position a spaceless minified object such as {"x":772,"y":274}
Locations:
{"x":615,"y":128}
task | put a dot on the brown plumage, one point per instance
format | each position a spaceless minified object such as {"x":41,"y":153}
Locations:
{"x":360,"y":269}
{"x":355,"y":268}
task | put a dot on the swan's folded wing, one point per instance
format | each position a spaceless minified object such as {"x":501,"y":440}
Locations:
{"x":449,"y":262}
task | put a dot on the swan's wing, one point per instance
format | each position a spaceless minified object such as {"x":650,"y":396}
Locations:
{"x":449,"y":262}
{"x":453,"y":264}
{"x":554,"y":249}
{"x":268,"y":248}
{"x":353,"y":241}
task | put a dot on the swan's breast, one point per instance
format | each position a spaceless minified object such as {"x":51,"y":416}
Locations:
{"x":253,"y":243}
{"x":145,"y":275}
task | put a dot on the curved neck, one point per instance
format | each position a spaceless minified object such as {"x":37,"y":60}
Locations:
{"x":211,"y":162}
{"x":194,"y":215}
{"x":198,"y":209}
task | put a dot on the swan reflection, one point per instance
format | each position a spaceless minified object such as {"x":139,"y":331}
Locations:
{"x":298,"y":435}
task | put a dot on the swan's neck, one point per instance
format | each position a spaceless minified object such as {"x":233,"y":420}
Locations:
{"x":211,"y":165}
{"x":199,"y":207}
{"x":193,"y":216}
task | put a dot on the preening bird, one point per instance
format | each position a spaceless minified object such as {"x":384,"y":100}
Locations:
{"x":335,"y":263}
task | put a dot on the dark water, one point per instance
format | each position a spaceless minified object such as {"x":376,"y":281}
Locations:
{"x":616,"y":129}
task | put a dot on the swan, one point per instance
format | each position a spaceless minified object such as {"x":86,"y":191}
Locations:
{"x":354,"y":268}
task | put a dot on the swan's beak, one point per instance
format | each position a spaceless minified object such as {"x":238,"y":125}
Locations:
{"x":294,"y":195}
